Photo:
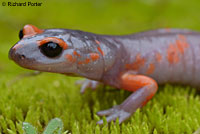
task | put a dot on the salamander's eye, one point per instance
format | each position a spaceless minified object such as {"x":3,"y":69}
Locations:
{"x":51,"y":49}
{"x":21,"y":34}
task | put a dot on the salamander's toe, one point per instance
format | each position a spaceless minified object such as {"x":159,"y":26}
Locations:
{"x":110,"y":118}
{"x":86,"y":84}
{"x":114,"y":113}
{"x":107,"y":111}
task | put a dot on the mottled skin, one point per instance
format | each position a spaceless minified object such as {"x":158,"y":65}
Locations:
{"x":134,"y":62}
{"x":183,"y":68}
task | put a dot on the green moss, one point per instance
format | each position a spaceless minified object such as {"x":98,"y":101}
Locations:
{"x":174,"y":109}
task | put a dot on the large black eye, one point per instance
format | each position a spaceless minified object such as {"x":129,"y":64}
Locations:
{"x":21,"y":34}
{"x":51,"y":49}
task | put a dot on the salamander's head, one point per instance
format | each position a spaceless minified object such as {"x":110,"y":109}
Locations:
{"x":58,"y":50}
{"x":43,"y":50}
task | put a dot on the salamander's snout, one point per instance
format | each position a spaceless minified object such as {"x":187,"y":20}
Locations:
{"x":16,"y":56}
{"x":10,"y":54}
{"x":19,"y":56}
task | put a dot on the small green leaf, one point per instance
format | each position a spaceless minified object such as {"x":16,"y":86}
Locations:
{"x":55,"y":126}
{"x":28,"y":128}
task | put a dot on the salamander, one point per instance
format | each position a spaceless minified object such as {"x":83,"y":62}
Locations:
{"x":136,"y":62}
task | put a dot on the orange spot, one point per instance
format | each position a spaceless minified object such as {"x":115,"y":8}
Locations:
{"x":177,"y":48}
{"x":172,"y":54}
{"x":30,"y":30}
{"x":75,"y":53}
{"x":97,"y":42}
{"x":99,"y":49}
{"x":86,"y":61}
{"x":139,"y":62}
{"x":70,"y":58}
{"x":94,"y":56}
{"x":59,"y":41}
{"x":133,"y":82}
{"x":180,"y":47}
{"x":150,"y":69}
{"x":158,"y":57}
{"x":182,"y":43}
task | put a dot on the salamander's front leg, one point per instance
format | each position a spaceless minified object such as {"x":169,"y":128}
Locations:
{"x":144,"y":87}
{"x":85,"y":84}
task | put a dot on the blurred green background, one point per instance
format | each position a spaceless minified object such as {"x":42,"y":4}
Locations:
{"x":55,"y":96}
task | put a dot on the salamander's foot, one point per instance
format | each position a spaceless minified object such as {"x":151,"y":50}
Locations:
{"x":85,"y":84}
{"x":114,"y":113}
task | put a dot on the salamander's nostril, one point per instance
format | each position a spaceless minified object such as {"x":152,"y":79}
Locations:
{"x":22,"y":57}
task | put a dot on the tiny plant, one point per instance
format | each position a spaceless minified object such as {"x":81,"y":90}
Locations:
{"x":55,"y":126}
